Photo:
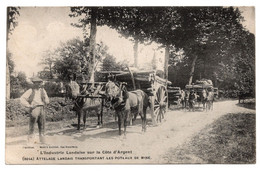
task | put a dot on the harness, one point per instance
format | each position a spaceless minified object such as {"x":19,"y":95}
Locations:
{"x":79,"y":101}
{"x":192,"y":97}
{"x":119,"y":102}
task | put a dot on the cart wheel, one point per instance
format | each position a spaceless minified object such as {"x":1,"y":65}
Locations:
{"x":160,"y":104}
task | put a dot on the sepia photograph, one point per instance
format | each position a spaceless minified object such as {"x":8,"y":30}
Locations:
{"x":130,"y":85}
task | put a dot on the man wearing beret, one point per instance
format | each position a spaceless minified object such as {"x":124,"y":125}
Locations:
{"x":35,"y":99}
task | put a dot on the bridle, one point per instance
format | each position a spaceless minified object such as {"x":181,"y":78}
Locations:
{"x":116,"y":98}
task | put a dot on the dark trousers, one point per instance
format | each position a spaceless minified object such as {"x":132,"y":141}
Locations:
{"x":37,"y":116}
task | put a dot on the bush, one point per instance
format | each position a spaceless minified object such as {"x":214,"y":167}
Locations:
{"x":53,"y":89}
{"x":56,"y":110}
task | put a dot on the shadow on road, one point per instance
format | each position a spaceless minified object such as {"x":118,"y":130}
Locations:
{"x":108,"y":131}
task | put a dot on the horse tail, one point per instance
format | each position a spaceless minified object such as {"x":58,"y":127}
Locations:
{"x":146,"y":100}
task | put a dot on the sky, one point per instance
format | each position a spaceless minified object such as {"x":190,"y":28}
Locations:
{"x":44,"y":28}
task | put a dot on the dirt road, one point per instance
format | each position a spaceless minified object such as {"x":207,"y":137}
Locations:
{"x":104,"y":145}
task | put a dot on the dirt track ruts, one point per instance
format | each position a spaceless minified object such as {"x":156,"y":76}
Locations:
{"x":178,"y":127}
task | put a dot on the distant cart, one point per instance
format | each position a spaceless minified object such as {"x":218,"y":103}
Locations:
{"x":199,"y":85}
{"x":174,"y":94}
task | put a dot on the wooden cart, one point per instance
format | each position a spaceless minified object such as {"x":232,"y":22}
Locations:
{"x":150,"y":83}
{"x":174,"y":94}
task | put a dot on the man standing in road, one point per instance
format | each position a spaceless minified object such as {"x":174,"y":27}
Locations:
{"x":35,"y":100}
{"x":192,"y":99}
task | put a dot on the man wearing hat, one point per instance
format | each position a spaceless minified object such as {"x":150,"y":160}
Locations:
{"x":84,"y":87}
{"x":192,"y":98}
{"x":35,"y":99}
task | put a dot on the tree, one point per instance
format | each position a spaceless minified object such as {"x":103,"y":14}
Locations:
{"x":238,"y":71}
{"x":12,"y":13}
{"x":10,"y":62}
{"x":129,"y":22}
{"x":19,"y":84}
{"x":205,"y":34}
{"x":146,"y":25}
{"x":91,"y":15}
{"x":109,"y":64}
{"x":48,"y":59}
{"x":73,"y":57}
{"x":215,"y":46}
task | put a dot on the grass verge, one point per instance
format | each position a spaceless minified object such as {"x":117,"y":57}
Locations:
{"x":229,"y":140}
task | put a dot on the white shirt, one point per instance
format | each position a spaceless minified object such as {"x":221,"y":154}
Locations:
{"x":75,"y":88}
{"x":37,"y":100}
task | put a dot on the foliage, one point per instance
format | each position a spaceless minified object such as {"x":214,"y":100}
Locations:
{"x":241,"y":65}
{"x":18,"y":85}
{"x":73,"y":57}
{"x":48,"y":60}
{"x":58,"y":109}
{"x":12,"y":14}
{"x":90,"y":16}
{"x":109,"y":64}
{"x":53,"y":89}
{"x":10,"y":62}
{"x":127,"y":21}
{"x":215,"y":36}
{"x":210,"y":39}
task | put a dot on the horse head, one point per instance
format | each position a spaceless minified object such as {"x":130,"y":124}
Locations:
{"x":204,"y":94}
{"x":112,"y":90}
{"x":72,"y":90}
{"x":116,"y":93}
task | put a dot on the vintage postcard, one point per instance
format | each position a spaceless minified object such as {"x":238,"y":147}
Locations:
{"x":130,"y":85}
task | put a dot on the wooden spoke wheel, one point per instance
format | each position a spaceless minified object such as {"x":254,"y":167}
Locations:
{"x":160,"y":104}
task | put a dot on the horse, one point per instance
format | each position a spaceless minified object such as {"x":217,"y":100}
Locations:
{"x":185,"y":102}
{"x":210,"y":99}
{"x":182,"y":99}
{"x":204,"y":98}
{"x":125,"y":103}
{"x":84,"y":105}
{"x":192,"y":100}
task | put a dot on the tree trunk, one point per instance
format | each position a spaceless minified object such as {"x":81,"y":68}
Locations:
{"x":51,"y":74}
{"x":204,"y":70}
{"x":136,"y":53}
{"x":8,"y":86}
{"x":166,"y":61}
{"x":132,"y":77}
{"x":93,"y":31}
{"x":192,"y":69}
